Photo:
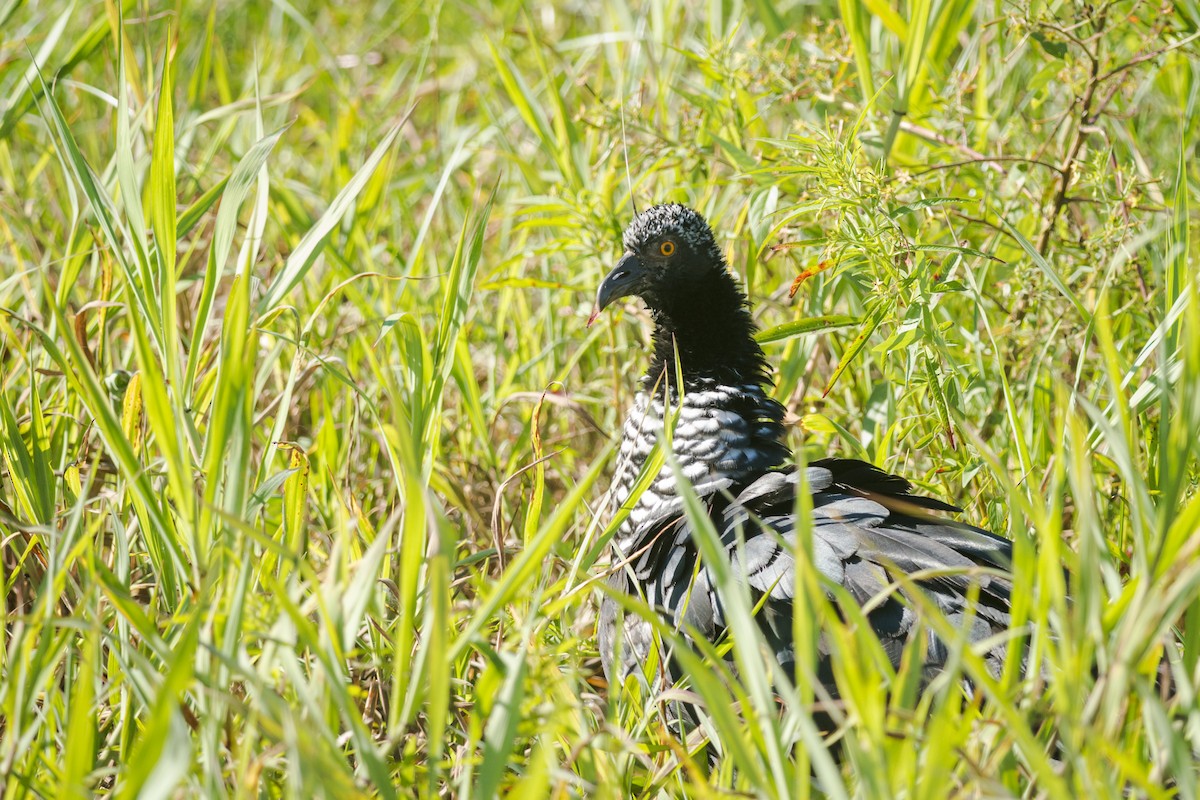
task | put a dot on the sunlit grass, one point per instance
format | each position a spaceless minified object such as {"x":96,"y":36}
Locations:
{"x":302,"y":432}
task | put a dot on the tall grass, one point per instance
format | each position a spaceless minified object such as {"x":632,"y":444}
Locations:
{"x":302,"y":431}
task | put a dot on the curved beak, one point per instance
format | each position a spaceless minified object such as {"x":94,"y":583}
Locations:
{"x":621,"y":282}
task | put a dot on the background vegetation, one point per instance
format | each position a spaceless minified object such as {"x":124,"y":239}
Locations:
{"x":301,"y":427}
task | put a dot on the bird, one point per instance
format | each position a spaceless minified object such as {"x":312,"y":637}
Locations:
{"x":709,"y":375}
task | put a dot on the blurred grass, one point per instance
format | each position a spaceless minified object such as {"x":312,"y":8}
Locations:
{"x":312,"y":516}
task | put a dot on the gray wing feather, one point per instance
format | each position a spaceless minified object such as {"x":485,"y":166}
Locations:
{"x":866,"y":528}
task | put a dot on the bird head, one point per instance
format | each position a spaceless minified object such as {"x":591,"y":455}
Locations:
{"x":670,"y":252}
{"x":702,"y":323}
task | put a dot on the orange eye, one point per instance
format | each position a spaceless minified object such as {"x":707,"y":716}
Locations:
{"x":667,"y":248}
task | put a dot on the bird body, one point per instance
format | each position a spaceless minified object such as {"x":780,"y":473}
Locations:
{"x":722,"y":436}
{"x":728,"y":441}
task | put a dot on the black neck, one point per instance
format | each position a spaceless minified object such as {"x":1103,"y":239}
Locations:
{"x":709,"y":325}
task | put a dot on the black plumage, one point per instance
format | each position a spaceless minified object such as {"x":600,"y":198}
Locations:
{"x":728,"y":440}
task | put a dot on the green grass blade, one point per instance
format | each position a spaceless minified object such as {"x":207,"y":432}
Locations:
{"x":306,"y":252}
{"x":162,"y":197}
{"x":1048,"y":270}
{"x":232,"y":196}
{"x":800,"y":327}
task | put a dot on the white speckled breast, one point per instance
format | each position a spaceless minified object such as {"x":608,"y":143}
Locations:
{"x":723,"y":435}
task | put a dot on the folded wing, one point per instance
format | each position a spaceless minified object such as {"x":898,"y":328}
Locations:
{"x":872,"y":539}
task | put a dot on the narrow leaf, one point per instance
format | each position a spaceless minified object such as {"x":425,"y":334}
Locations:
{"x":306,"y":252}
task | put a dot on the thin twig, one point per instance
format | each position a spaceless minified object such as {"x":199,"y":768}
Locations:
{"x":988,"y":159}
{"x":497,"y":538}
{"x":1138,"y":59}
